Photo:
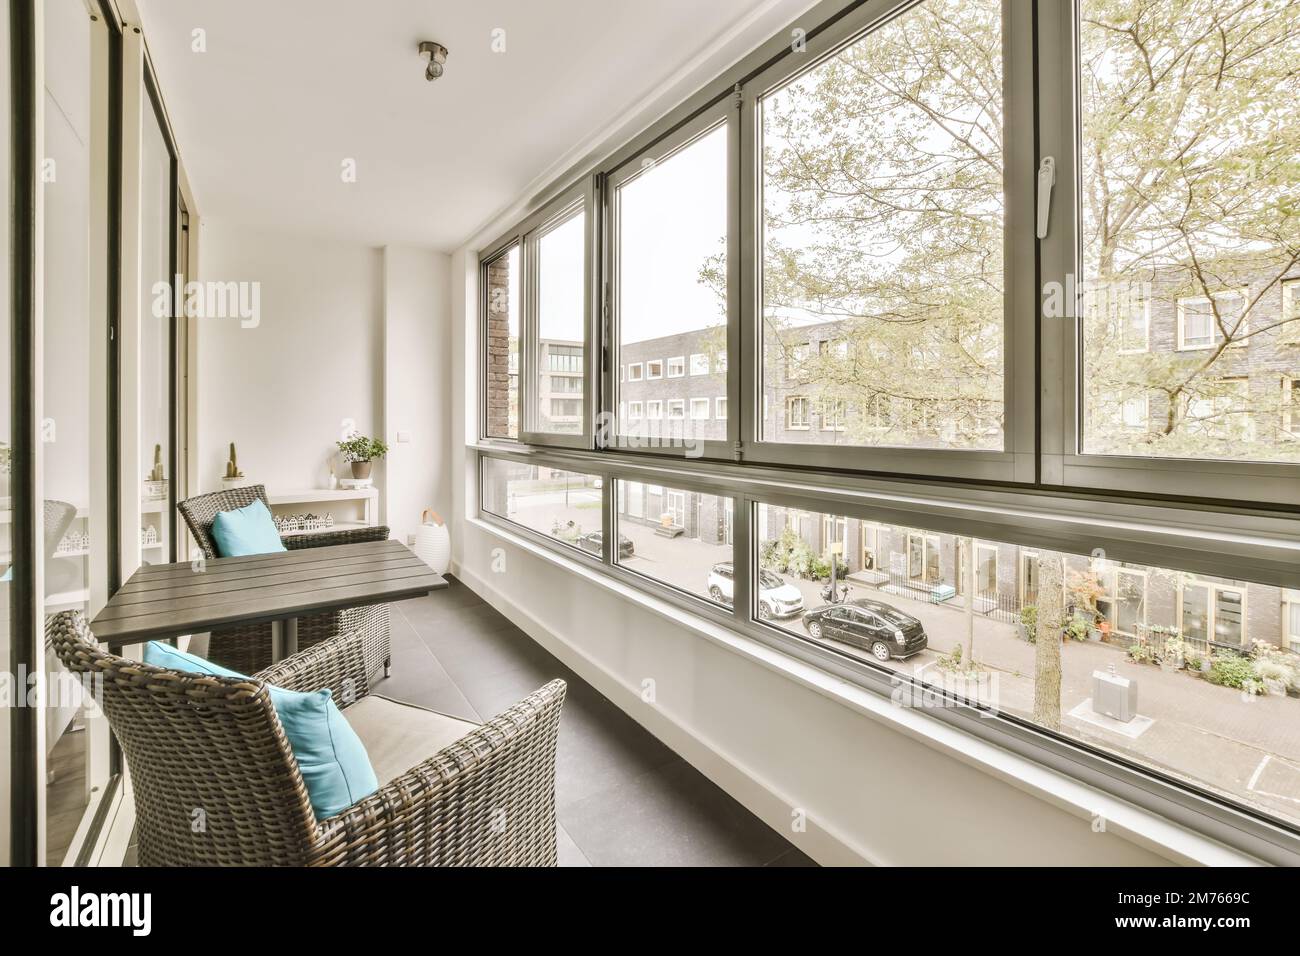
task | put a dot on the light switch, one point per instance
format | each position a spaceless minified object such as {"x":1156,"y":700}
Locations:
{"x":403,"y":437}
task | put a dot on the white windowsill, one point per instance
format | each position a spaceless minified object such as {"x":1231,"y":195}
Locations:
{"x":1147,"y":829}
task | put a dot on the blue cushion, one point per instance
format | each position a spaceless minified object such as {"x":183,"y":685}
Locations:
{"x":246,"y":530}
{"x":331,"y":757}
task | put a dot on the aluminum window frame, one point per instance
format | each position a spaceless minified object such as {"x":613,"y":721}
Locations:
{"x":627,"y":169}
{"x":1016,"y":461}
{"x":1063,"y":461}
{"x":987,"y":514}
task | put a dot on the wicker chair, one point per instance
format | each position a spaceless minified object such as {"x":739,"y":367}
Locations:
{"x":248,"y":648}
{"x":215,"y":782}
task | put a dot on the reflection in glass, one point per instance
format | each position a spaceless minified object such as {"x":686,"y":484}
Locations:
{"x":565,"y":505}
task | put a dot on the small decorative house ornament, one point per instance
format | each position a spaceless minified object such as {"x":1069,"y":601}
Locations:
{"x":233,"y":478}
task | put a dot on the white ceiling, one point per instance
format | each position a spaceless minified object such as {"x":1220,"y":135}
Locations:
{"x":288,"y":90}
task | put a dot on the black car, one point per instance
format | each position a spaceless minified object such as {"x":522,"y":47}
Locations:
{"x":593,"y":541}
{"x":883,"y":630}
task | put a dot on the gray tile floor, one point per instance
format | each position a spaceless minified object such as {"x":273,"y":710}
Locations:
{"x":623,"y":798}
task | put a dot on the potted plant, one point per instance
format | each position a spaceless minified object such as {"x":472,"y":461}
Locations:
{"x":360,"y":451}
{"x":1077,"y":628}
{"x":1171,"y":659}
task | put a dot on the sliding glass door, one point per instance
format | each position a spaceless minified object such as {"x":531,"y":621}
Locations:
{"x":73,"y":384}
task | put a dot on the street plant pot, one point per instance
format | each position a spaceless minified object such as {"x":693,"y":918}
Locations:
{"x":361,"y":470}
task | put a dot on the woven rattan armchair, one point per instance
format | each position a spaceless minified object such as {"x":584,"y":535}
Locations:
{"x":215,"y":782}
{"x":248,"y":648}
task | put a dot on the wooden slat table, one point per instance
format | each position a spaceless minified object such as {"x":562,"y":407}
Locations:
{"x":168,"y":600}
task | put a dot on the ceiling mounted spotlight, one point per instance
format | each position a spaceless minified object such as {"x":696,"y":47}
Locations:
{"x":437,"y":54}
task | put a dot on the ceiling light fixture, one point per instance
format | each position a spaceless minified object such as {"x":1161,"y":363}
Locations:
{"x":437,"y":59}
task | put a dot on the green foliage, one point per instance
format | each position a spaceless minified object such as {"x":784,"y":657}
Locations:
{"x":789,"y":554}
{"x":1077,"y":628}
{"x":360,"y":448}
{"x":1139,"y":652}
{"x":1232,"y":670}
{"x":1029,"y":618}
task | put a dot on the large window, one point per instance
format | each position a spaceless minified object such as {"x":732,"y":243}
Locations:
{"x":900,"y":603}
{"x":1185,"y":210}
{"x":882,"y":228}
{"x":563,"y":505}
{"x":561,"y":317}
{"x":677,"y":537}
{"x":669,"y":210}
{"x":503,"y":306}
{"x":857,"y":228}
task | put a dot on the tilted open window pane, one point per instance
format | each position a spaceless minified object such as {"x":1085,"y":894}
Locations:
{"x":678,"y":537}
{"x":1061,"y":640}
{"x":564,"y":505}
{"x":1190,"y":232}
{"x":672,"y":290}
{"x":501,"y":277}
{"x":561,"y":326}
{"x":882,"y":217}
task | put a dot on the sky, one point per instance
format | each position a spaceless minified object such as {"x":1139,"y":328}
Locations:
{"x":673,"y":218}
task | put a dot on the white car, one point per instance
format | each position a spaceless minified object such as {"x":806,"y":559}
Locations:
{"x":776,"y":599}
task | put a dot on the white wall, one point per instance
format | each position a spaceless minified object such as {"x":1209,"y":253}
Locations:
{"x":282,"y":389}
{"x":346,"y":331}
{"x":417,"y":386}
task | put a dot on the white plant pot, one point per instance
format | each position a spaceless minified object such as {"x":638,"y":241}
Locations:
{"x":433,"y":543}
{"x":228,"y":483}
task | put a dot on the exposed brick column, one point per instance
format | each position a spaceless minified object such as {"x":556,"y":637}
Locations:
{"x":498,"y":349}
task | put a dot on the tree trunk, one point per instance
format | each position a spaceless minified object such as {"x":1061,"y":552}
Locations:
{"x":1047,"y":645}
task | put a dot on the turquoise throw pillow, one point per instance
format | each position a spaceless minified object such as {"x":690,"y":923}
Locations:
{"x":246,"y":530}
{"x":331,"y":757}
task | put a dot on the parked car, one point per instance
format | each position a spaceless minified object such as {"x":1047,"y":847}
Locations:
{"x":593,"y":541}
{"x":874,"y":626}
{"x":776,"y":598}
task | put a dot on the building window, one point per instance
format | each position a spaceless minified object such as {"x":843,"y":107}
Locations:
{"x":797,"y":412}
{"x":1291,"y":406}
{"x":635,"y":410}
{"x":564,"y":383}
{"x":1028,"y":578}
{"x":1290,"y":331}
{"x":564,"y":408}
{"x":699,"y":363}
{"x":564,"y":358}
{"x":654,"y":369}
{"x":720,"y":409}
{"x":676,"y":408}
{"x":1124,"y":604}
{"x":654,"y":409}
{"x":699,"y":409}
{"x":634,"y":372}
{"x":831,"y":413}
{"x":1214,"y":613}
{"x":1205,"y":321}
{"x":1291,"y":619}
{"x":923,"y":558}
{"x":1136,"y":412}
{"x":677,"y":367}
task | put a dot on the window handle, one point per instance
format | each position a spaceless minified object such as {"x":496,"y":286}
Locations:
{"x":1046,"y":180}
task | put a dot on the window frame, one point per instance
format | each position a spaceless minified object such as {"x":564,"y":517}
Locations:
{"x":1063,"y":462}
{"x":578,"y":197}
{"x":1015,"y":461}
{"x":622,"y":169}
